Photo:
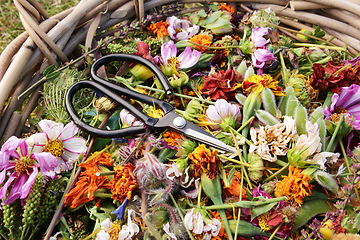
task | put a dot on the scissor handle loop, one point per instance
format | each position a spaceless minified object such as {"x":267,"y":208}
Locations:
{"x":130,"y":58}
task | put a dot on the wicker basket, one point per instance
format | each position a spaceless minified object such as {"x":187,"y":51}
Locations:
{"x":22,"y":63}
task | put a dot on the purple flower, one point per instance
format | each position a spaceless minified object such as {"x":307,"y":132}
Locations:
{"x":179,"y":29}
{"x":348,"y":102}
{"x":24,"y":167}
{"x":224,"y":114}
{"x":260,"y":56}
{"x":257,"y":36}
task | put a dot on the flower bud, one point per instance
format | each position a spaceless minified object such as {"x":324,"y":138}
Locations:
{"x":160,"y":217}
{"x":141,"y":73}
{"x":242,"y":67}
{"x":326,"y":181}
{"x":178,"y":81}
{"x":104,"y":104}
{"x":257,"y":167}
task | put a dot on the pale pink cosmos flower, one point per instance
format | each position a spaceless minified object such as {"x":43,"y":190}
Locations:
{"x":24,"y":167}
{"x":186,"y":59}
{"x":179,"y":29}
{"x":223,"y":114}
{"x":127,"y":119}
{"x":59,"y":141}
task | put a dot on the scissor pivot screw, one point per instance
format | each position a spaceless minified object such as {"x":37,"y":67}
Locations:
{"x":179,"y":122}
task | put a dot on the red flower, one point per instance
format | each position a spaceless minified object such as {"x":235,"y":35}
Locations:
{"x":143,"y":51}
{"x":330,"y":77}
{"x":220,"y":85}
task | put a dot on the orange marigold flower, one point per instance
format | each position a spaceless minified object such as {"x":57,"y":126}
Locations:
{"x":124,"y":182}
{"x":88,"y":182}
{"x":203,"y":40}
{"x":170,"y":138}
{"x":234,"y":189}
{"x":204,"y":160}
{"x":295,"y":186}
{"x":228,"y":8}
{"x":160,"y":29}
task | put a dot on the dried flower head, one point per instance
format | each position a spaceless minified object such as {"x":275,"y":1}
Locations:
{"x":124,"y":182}
{"x":204,"y":160}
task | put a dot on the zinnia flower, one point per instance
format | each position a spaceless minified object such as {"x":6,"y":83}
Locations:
{"x":24,"y":168}
{"x":60,"y":142}
{"x":347,"y":103}
{"x":179,"y":29}
{"x":186,"y":59}
{"x":220,"y":85}
{"x":224,"y":114}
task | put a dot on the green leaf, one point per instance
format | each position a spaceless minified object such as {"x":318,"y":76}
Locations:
{"x":166,"y":153}
{"x":291,"y":105}
{"x":224,"y":178}
{"x":257,"y":211}
{"x":326,"y":181}
{"x":182,"y":44}
{"x":211,"y":18}
{"x":318,"y":113}
{"x":269,"y":102}
{"x":322,"y":132}
{"x":49,"y":70}
{"x":309,"y":210}
{"x":266,"y":117}
{"x":246,"y":229}
{"x":52,"y":76}
{"x":231,"y":175}
{"x":284,"y":100}
{"x":300,"y":119}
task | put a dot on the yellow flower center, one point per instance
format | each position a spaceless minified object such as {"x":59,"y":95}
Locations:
{"x":23,"y":166}
{"x":55,"y":147}
{"x":173,"y":63}
{"x":335,"y":117}
{"x":114,"y":231}
{"x":263,"y":222}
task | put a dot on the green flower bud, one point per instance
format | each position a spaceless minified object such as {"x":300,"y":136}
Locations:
{"x":269,"y":186}
{"x":160,"y":217}
{"x":257,"y":167}
{"x":249,"y":72}
{"x":345,"y":126}
{"x":326,"y":181}
{"x":141,"y":73}
{"x":242,"y":67}
{"x":178,"y":81}
{"x":186,"y":146}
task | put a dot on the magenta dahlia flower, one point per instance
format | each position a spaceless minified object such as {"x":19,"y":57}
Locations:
{"x":23,"y":167}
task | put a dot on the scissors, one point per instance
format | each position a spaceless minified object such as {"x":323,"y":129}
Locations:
{"x":171,"y":120}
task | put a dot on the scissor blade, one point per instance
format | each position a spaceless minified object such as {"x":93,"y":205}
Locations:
{"x":192,"y":131}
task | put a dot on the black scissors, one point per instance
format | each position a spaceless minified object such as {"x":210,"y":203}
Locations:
{"x":171,"y":120}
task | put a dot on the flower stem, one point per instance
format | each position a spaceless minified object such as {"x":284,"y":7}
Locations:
{"x":277,"y":229}
{"x":102,"y":195}
{"x":208,"y":47}
{"x":277,"y":173}
{"x":233,"y":160}
{"x":102,"y":174}
{"x":244,"y":204}
{"x":283,"y":68}
{"x":199,"y":197}
{"x":334,"y":134}
{"x":245,"y":124}
{"x":240,"y":199}
{"x":239,"y":153}
{"x":93,"y":234}
{"x":176,"y":94}
{"x":343,"y":68}
{"x":181,"y":216}
{"x":248,"y":142}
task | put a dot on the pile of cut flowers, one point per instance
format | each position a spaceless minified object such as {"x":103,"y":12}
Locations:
{"x":290,"y":109}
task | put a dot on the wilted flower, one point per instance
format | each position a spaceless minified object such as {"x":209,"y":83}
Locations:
{"x":257,"y":83}
{"x":220,"y":85}
{"x":160,"y":29}
{"x":204,"y":160}
{"x":295,"y":187}
{"x":127,"y":119}
{"x":129,"y":230}
{"x":24,"y":168}
{"x":59,"y":141}
{"x":124,"y":182}
{"x":195,"y":223}
{"x":179,"y":29}
{"x":224,"y":114}
{"x":272,"y":141}
{"x":347,"y":103}
{"x":202,"y":39}
{"x":260,"y":55}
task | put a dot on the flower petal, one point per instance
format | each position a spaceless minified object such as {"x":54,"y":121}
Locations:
{"x":29,"y":183}
{"x":75,"y":145}
{"x":69,"y":131}
{"x":47,"y":163}
{"x":3,"y":190}
{"x":51,"y":128}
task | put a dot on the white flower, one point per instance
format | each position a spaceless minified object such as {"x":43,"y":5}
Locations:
{"x":105,"y":227}
{"x":129,"y":230}
{"x":127,"y":119}
{"x":59,"y":141}
{"x":224,"y":114}
{"x":179,"y":29}
{"x":195,"y":223}
{"x":166,"y":228}
{"x":322,"y":158}
{"x":310,"y":143}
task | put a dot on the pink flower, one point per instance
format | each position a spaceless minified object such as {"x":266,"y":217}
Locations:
{"x":261,"y":54}
{"x":127,"y":119}
{"x":24,"y":167}
{"x":60,"y":142}
{"x":179,"y":29}
{"x":224,"y":114}
{"x":186,"y":59}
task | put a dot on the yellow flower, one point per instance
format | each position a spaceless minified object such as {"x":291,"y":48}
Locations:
{"x":257,"y":83}
{"x":295,"y":186}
